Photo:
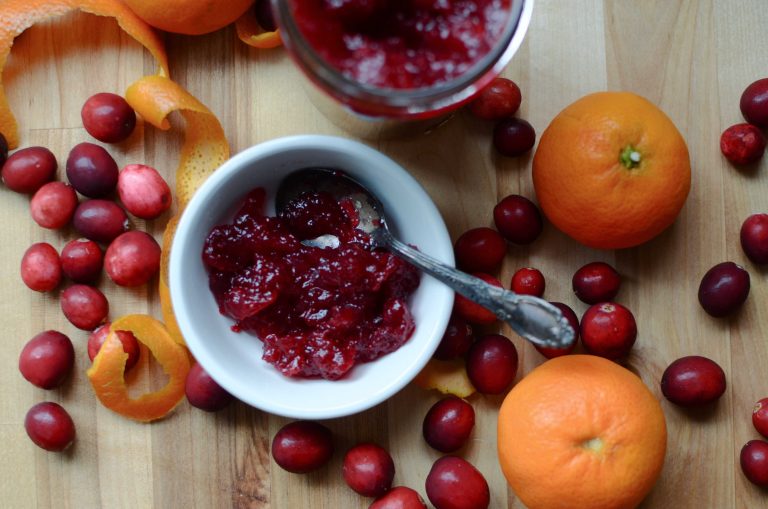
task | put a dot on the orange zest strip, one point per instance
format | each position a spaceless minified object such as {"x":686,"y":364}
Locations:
{"x":448,"y":377}
{"x":18,"y":15}
{"x":249,"y":31}
{"x":107,"y":374}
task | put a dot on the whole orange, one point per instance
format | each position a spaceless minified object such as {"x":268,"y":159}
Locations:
{"x":192,"y":17}
{"x":612,"y":170}
{"x":581,"y":431}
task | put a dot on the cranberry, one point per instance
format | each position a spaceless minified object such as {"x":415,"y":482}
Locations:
{"x":47,"y":359}
{"x":448,"y":424}
{"x":53,"y":205}
{"x":91,"y":170}
{"x":399,"y":497}
{"x":129,"y":341}
{"x":456,"y":340}
{"x":573,"y":321}
{"x":204,"y":392}
{"x":3,"y":150}
{"x":81,"y":260}
{"x":26,"y":170}
{"x":492,"y":364}
{"x":143,"y":191}
{"x":368,"y":469}
{"x":754,"y":238}
{"x":84,"y":306}
{"x":480,"y":250}
{"x":264,"y":15}
{"x":596,"y":282}
{"x":518,"y":219}
{"x":302,"y":446}
{"x":608,"y":330}
{"x":50,"y":426}
{"x":108,"y":117}
{"x":754,"y":103}
{"x":100,"y":220}
{"x":760,"y":417}
{"x":754,"y":462}
{"x":41,"y":267}
{"x":742,"y":144}
{"x":453,"y":483}
{"x":132,"y":259}
{"x":471,"y":311}
{"x":723,"y":289}
{"x":501,"y":99}
{"x":528,"y":281}
{"x":513,"y":137}
{"x":693,"y":381}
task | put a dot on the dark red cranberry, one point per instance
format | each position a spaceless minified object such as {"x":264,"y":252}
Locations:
{"x":480,"y":250}
{"x":760,"y":417}
{"x":91,"y":170}
{"x":573,"y":321}
{"x":754,"y":462}
{"x":518,"y":219}
{"x":399,"y":497}
{"x":128,"y":340}
{"x":49,"y":426}
{"x":41,"y":267}
{"x":608,"y":330}
{"x":132,"y":259}
{"x":596,"y":282}
{"x":108,"y":117}
{"x":742,"y":144}
{"x":81,"y":260}
{"x":100,"y":220}
{"x":723,"y":289}
{"x":454,"y":483}
{"x":513,"y":137}
{"x":528,"y":281}
{"x":47,"y":359}
{"x":302,"y":446}
{"x":264,"y":15}
{"x":53,"y":205}
{"x":368,"y":469}
{"x":84,"y":306}
{"x":456,"y":340}
{"x":754,"y":103}
{"x":472,"y":312}
{"x":501,"y":99}
{"x":492,"y":364}
{"x":693,"y":381}
{"x":204,"y":392}
{"x":448,"y":424}
{"x":754,"y":238}
{"x":28,"y":169}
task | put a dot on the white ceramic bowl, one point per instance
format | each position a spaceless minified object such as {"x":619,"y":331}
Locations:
{"x":234,"y":359}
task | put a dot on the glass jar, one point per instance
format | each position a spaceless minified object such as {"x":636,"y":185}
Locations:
{"x":369,"y":111}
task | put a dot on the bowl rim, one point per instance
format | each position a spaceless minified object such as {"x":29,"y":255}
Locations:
{"x":443,"y":300}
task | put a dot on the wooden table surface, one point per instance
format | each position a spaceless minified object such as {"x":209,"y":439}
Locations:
{"x":693,"y":58}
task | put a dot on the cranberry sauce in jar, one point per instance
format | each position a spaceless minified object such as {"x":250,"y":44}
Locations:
{"x":317,"y":311}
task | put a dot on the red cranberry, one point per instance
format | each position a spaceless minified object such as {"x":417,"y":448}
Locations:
{"x":143,"y":191}
{"x":302,"y":446}
{"x":723,"y":289}
{"x":480,"y":250}
{"x":693,"y":381}
{"x":47,"y":359}
{"x":264,"y":15}
{"x":81,"y":260}
{"x":108,"y":117}
{"x":513,"y":137}
{"x":453,"y":483}
{"x":129,"y":341}
{"x":608,"y":330}
{"x":448,"y":424}
{"x":501,"y":99}
{"x":518,"y":219}
{"x":399,"y":497}
{"x":472,"y":312}
{"x":596,"y":282}
{"x":204,"y":392}
{"x":26,"y":170}
{"x":760,"y":417}
{"x":492,"y":364}
{"x":84,"y":306}
{"x":528,"y":281}
{"x":3,"y":150}
{"x":754,"y":103}
{"x":132,"y":259}
{"x":742,"y":144}
{"x":573,"y":321}
{"x":100,"y":220}
{"x":49,"y":426}
{"x":754,"y":238}
{"x":41,"y":267}
{"x":368,"y":469}
{"x":456,"y":340}
{"x":53,"y":205}
{"x":91,"y":170}
{"x":754,"y":462}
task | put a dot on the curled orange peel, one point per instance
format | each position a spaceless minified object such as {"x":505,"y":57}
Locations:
{"x":448,"y":377}
{"x":107,"y":374}
{"x":18,"y":15}
{"x":249,"y":31}
{"x":166,"y":306}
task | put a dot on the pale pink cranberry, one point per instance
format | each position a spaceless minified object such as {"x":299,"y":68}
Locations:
{"x":143,"y":191}
{"x":53,"y":205}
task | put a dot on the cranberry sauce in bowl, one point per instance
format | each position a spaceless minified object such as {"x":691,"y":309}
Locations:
{"x":319,"y":311}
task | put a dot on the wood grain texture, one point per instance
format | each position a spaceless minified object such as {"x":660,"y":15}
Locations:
{"x":693,"y":58}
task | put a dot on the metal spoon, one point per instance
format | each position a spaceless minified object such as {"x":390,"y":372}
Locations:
{"x":532,"y":318}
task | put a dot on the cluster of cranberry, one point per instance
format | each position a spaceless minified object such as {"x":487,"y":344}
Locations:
{"x":745,"y":143}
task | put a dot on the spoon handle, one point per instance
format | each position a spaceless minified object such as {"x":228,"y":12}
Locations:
{"x":532,"y":318}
